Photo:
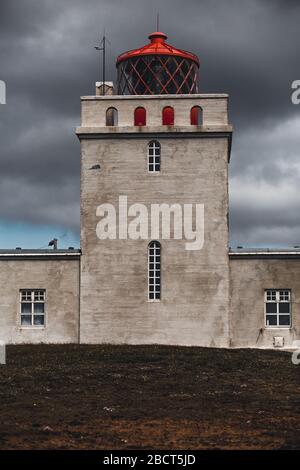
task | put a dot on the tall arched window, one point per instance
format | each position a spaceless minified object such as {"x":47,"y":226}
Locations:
{"x":154,"y":283}
{"x":168,"y":116}
{"x":111,"y":117}
{"x":140,"y":116}
{"x":154,"y":152}
{"x":196,"y":116}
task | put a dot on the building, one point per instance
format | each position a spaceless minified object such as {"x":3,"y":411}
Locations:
{"x":156,"y":153}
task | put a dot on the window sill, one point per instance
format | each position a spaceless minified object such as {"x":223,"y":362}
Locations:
{"x":276,"y":328}
{"x":32,"y":327}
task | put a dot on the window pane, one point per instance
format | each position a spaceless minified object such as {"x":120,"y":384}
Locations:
{"x":39,"y":295}
{"x":26,"y":308}
{"x":284,"y":295}
{"x":271,"y":307}
{"x":38,"y":320}
{"x":284,"y":320}
{"x":271,"y":295}
{"x":271,"y":320}
{"x":26,"y":295}
{"x":284,"y":307}
{"x":39,"y":307}
{"x":26,"y":320}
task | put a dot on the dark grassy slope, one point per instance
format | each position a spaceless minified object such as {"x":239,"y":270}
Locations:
{"x":154,"y":397}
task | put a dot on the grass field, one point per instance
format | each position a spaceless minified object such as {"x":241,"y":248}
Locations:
{"x":148,"y":397}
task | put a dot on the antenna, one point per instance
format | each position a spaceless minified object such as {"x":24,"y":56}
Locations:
{"x":102,"y":47}
{"x":157,"y":21}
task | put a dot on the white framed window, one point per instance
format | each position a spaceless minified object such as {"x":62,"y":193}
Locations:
{"x":154,"y":155}
{"x":154,"y":265}
{"x":278,"y":308}
{"x":32,"y":307}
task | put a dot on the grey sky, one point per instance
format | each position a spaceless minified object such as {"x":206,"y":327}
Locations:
{"x":248,"y":48}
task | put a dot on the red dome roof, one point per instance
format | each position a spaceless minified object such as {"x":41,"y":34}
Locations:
{"x":158,"y":46}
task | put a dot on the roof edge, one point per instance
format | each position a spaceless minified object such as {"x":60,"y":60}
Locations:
{"x":39,"y":254}
{"x":263,"y":253}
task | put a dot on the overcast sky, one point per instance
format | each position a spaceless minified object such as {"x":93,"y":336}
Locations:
{"x":248,"y":48}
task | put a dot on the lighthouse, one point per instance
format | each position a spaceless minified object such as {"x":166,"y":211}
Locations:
{"x":154,"y":142}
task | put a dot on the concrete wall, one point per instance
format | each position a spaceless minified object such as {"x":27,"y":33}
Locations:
{"x":60,"y":278}
{"x":249,"y":277}
{"x":195,"y":284}
{"x":215,"y":112}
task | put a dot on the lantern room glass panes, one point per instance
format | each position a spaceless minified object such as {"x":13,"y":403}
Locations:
{"x":157,"y":75}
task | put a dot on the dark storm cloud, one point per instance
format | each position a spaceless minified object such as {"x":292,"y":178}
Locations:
{"x":249,"y":49}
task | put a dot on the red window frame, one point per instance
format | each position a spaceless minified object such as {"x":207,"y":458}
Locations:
{"x":196,"y":116}
{"x":140,"y":116}
{"x":168,"y":116}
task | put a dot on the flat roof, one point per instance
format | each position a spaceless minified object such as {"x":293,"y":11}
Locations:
{"x":276,"y":253}
{"x":190,"y":96}
{"x":39,"y":254}
{"x":75,"y":253}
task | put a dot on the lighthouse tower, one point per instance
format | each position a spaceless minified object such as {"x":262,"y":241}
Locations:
{"x":154,"y":145}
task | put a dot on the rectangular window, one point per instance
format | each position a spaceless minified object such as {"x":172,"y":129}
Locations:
{"x":32,"y":307}
{"x":278,"y":308}
{"x":154,"y":271}
{"x":154,"y":151}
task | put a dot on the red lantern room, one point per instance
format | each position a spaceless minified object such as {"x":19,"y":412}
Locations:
{"x":157,"y":69}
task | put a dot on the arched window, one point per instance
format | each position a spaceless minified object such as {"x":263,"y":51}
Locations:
{"x":140,"y":116}
{"x":168,"y":116}
{"x":111,"y":117}
{"x":154,"y":151}
{"x":196,"y":116}
{"x":154,"y":283}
